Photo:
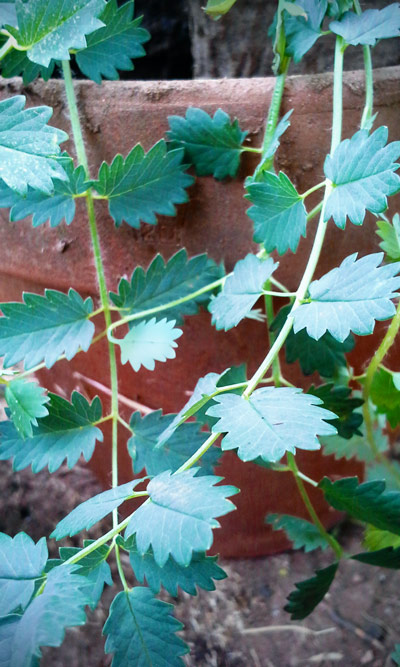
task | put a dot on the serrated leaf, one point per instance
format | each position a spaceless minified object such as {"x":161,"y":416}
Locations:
{"x":93,"y":567}
{"x":368,"y":501}
{"x":142,"y":446}
{"x":355,"y":447}
{"x":338,"y":7}
{"x":326,"y":356}
{"x":234,"y":375}
{"x":391,"y":474}
{"x":279,"y":214}
{"x":350,"y":298}
{"x":43,"y":328}
{"x":181,"y":515}
{"x":388,"y":557}
{"x":368,"y":27}
{"x":85,"y":515}
{"x":49,"y":28}
{"x":28,"y":147}
{"x":376,"y":539}
{"x":299,"y":531}
{"x":310,"y":593}
{"x":385,"y":394}
{"x":270,"y":423}
{"x":113,"y":46}
{"x":362,"y":172}
{"x":217,"y":8}
{"x":339,"y":400}
{"x":302,"y":33}
{"x":212,"y":145}
{"x":200,"y":572}
{"x":396,"y":654}
{"x":240,"y":292}
{"x":144,"y":184}
{"x":26,"y":401}
{"x":61,"y":605}
{"x":17,"y":63}
{"x":148,"y":342}
{"x":273,"y":146}
{"x":21,"y":562}
{"x":390,"y":235}
{"x":164,"y":282}
{"x":141,"y":631}
{"x":67,"y":432}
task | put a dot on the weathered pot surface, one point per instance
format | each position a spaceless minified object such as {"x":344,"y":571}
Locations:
{"x":118,"y":115}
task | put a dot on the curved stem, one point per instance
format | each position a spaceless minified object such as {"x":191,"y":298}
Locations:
{"x":274,"y":108}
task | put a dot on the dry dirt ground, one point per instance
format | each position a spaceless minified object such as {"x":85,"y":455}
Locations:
{"x":242,"y":623}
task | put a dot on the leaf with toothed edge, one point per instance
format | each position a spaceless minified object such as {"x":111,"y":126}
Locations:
{"x":302,"y":33}
{"x":21,"y":562}
{"x":148,"y":342}
{"x":26,"y":401}
{"x":369,"y":26}
{"x":302,"y":533}
{"x":390,"y":235}
{"x":310,"y":593}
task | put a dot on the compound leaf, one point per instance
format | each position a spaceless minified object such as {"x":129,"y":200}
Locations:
{"x":142,"y":446}
{"x":310,"y":593}
{"x":148,"y":342}
{"x":279,"y":214}
{"x":200,"y":572}
{"x":362,"y":172}
{"x":165,"y":282}
{"x":21,"y":562}
{"x":93,"y":567}
{"x":240,"y":292}
{"x":368,"y":501}
{"x":217,"y":8}
{"x":350,"y":298}
{"x":17,"y":63}
{"x":302,"y":33}
{"x":113,"y":46}
{"x":339,"y":400}
{"x":385,"y":394}
{"x":390,"y":235}
{"x":85,"y":515}
{"x":47,"y":29}
{"x":388,"y":557}
{"x":181,"y":515}
{"x":368,"y":27}
{"x":28,"y":147}
{"x":212,"y":145}
{"x":26,"y":401}
{"x":141,"y":631}
{"x":45,"y":327}
{"x":67,"y":432}
{"x":270,"y":423}
{"x":299,"y":531}
{"x":144,"y":184}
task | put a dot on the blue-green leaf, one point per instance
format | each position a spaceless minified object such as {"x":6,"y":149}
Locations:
{"x":28,"y":147}
{"x":148,"y":342}
{"x":310,"y":593}
{"x":368,"y":27}
{"x":302,"y":33}
{"x":93,"y":510}
{"x":26,"y":401}
{"x":279,"y":214}
{"x":21,"y":562}
{"x":362,"y":172}
{"x":113,"y":47}
{"x":45,"y":327}
{"x":181,"y":515}
{"x":338,"y":399}
{"x":240,"y":292}
{"x":267,"y":159}
{"x":355,"y":447}
{"x":144,"y":184}
{"x":350,"y":298}
{"x":93,"y":567}
{"x":212,"y":145}
{"x":184,"y":442}
{"x":385,"y":394}
{"x":141,"y":631}
{"x":270,"y":423}
{"x":396,"y":654}
{"x":388,"y":557}
{"x":378,"y":471}
{"x":8,"y":15}
{"x":17,"y":63}
{"x":390,"y":235}
{"x":299,"y":531}
{"x":67,"y":432}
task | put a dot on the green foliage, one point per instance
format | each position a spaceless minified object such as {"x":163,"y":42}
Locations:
{"x":265,"y":163}
{"x":302,"y":32}
{"x":217,"y":8}
{"x":201,"y":571}
{"x":368,"y":501}
{"x":240,"y":292}
{"x":339,"y":400}
{"x":262,"y":425}
{"x":232,"y":376}
{"x":45,"y":327}
{"x":21,"y":562}
{"x":355,"y":447}
{"x":362,"y":172}
{"x":113,"y":46}
{"x":385,"y":394}
{"x":337,"y":8}
{"x":350,"y":298}
{"x":17,"y":63}
{"x":309,"y":593}
{"x":396,"y":654}
{"x":391,"y":474}
{"x":376,"y":539}
{"x":299,"y":531}
{"x":26,"y":401}
{"x":212,"y":145}
{"x":181,"y":515}
{"x":142,"y":446}
{"x":67,"y":432}
{"x":148,"y":342}
{"x":368,"y":27}
{"x":8,"y":15}
{"x":144,"y":184}
{"x":85,"y":515}
{"x":164,"y":282}
{"x":279,"y":214}
{"x":93,"y":567}
{"x":388,"y":557}
{"x":141,"y":631}
{"x":49,"y":28}
{"x":390,"y":235}
{"x":28,"y":147}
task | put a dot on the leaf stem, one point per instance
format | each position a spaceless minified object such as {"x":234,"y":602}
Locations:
{"x":313,"y":189}
{"x":125,"y":424}
{"x":369,"y":84}
{"x":7,"y":47}
{"x":250,"y":149}
{"x":120,"y":568}
{"x":274,"y":109}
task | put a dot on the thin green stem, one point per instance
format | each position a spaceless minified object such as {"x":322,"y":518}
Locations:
{"x":7,"y":47}
{"x":279,"y":294}
{"x":274,"y":108}
{"x":120,"y":568}
{"x":269,"y":310}
{"x":103,"y":420}
{"x":314,"y":211}
{"x":313,"y":189}
{"x":250,"y":149}
{"x":369,"y":82}
{"x":125,"y":424}
{"x":199,"y":453}
{"x":279,"y":285}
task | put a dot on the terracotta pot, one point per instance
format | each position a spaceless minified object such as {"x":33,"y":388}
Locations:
{"x":118,"y":115}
